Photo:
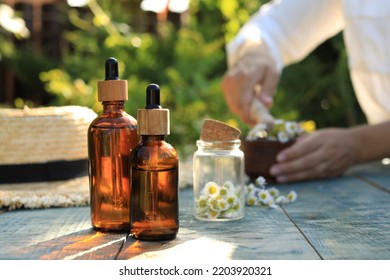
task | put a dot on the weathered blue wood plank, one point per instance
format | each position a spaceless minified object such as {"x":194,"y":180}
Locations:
{"x":54,"y":234}
{"x":26,"y":227}
{"x":376,"y":173}
{"x":262,"y":234}
{"x":344,"y":218}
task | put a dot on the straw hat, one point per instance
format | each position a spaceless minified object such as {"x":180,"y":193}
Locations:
{"x":44,"y":157}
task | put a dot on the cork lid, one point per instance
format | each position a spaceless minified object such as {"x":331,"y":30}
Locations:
{"x":153,"y":120}
{"x":214,"y":130}
{"x":112,"y":88}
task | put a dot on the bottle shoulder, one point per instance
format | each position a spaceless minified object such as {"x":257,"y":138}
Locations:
{"x":158,"y":155}
{"x":156,"y":147}
{"x":114,"y":120}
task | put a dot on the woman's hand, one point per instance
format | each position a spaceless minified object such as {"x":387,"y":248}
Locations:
{"x":322,"y":154}
{"x":254,"y":69}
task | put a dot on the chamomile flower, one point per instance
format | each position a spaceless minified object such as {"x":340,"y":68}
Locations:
{"x":202,"y":202}
{"x":223,"y":205}
{"x":223,"y":192}
{"x":265,"y":196}
{"x":259,"y":131}
{"x":251,"y":200}
{"x":260,"y":181}
{"x":236,"y":207}
{"x":272,"y":204}
{"x":274,"y":192}
{"x":250,"y":188}
{"x":212,"y":214}
{"x":214,"y":205}
{"x":292,"y":196}
{"x":232,"y":199}
{"x":292,"y":128}
{"x":283,"y":136}
{"x":211,"y":189}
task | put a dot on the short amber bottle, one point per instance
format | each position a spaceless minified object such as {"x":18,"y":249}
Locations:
{"x":154,"y":175}
{"x":111,"y":137}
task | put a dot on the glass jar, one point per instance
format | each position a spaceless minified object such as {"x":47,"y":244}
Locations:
{"x":218,"y":174}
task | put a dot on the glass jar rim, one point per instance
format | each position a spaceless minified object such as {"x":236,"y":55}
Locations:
{"x":202,"y":143}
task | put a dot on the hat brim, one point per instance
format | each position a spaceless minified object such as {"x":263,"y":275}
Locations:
{"x":69,"y":193}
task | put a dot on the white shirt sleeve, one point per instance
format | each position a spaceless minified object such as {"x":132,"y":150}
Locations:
{"x":291,"y":29}
{"x":367,"y":40}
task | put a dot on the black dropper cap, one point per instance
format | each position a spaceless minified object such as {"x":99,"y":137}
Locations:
{"x":112,"y":72}
{"x":153,"y":120}
{"x":112,"y":88}
{"x":153,"y":97}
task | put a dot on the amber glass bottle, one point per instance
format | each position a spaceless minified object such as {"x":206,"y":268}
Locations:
{"x":111,"y":137}
{"x":154,"y":175}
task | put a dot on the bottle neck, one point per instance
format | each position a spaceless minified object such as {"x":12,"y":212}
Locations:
{"x":113,"y":107}
{"x":152,"y":138}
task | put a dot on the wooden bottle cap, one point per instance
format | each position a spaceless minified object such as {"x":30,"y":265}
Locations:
{"x":153,"y":122}
{"x":112,"y":90}
{"x":213,"y":130}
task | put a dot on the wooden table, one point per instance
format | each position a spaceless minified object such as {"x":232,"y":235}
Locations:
{"x":343,"y":218}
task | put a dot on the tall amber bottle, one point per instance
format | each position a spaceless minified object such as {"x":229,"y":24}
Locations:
{"x":111,"y":137}
{"x":154,"y":174}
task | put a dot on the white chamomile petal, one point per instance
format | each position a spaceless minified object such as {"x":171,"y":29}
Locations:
{"x":281,"y":200}
{"x":228,"y":185}
{"x":231,"y":214}
{"x":272,"y":204}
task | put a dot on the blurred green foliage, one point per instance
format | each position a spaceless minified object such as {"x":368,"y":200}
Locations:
{"x":188,"y":64}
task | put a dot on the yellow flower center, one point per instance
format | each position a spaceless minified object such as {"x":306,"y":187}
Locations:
{"x":202,"y":203}
{"x":212,"y":190}
{"x":223,"y":192}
